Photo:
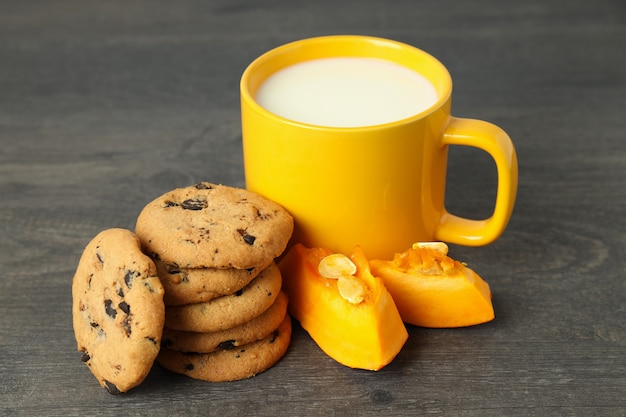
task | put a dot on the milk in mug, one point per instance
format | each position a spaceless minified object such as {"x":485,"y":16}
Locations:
{"x":346,"y":92}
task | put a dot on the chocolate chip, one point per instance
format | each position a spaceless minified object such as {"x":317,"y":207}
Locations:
{"x":94,"y":324}
{"x":124,"y":307}
{"x":85,"y":357}
{"x":227,"y":344}
{"x":152,"y":339}
{"x":249,"y":239}
{"x":192,"y":204}
{"x":109,"y":309}
{"x":263,"y":216}
{"x":148,"y":286}
{"x":170,"y":204}
{"x":189,"y":367}
{"x":126,"y":324}
{"x":274,"y":336}
{"x":120,"y":292}
{"x":204,"y":186}
{"x":129,"y":277}
{"x":111,"y":388}
{"x":238,"y":293}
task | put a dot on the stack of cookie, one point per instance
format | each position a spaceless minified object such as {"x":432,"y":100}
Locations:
{"x":214,"y":249}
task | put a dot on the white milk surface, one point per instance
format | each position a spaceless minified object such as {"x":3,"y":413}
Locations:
{"x":346,"y":92}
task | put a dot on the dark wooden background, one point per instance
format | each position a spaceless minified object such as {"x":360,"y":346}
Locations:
{"x":106,"y":105}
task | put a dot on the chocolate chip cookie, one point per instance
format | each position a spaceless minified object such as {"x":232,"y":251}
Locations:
{"x":253,"y":330}
{"x":229,"y":310}
{"x":197,"y":285}
{"x":215,"y":226}
{"x":231,"y":364}
{"x":117,"y":310}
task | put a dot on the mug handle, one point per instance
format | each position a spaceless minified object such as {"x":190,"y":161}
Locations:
{"x":496,"y":142}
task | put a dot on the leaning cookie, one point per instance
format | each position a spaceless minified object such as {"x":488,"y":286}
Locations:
{"x":189,"y":286}
{"x":229,"y":310}
{"x":117,"y":310}
{"x":251,"y":331}
{"x":230,"y":365}
{"x":214,"y":226}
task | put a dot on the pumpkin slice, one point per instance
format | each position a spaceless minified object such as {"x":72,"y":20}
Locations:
{"x":433,"y":290}
{"x":346,"y":311}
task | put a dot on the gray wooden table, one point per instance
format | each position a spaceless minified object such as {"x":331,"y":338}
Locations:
{"x":106,"y":105}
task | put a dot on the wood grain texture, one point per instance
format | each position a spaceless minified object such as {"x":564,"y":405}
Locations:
{"x":106,"y":105}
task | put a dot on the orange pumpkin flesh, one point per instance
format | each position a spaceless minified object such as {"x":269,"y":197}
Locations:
{"x":366,"y":334}
{"x":432,"y":290}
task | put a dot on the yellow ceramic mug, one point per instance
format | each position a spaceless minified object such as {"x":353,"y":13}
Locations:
{"x":380,"y":186}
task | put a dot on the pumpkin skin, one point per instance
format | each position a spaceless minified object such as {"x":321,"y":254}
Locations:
{"x":433,"y":290}
{"x":365,"y":335}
